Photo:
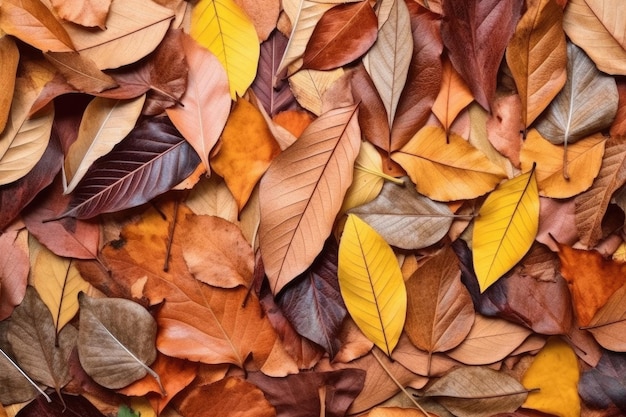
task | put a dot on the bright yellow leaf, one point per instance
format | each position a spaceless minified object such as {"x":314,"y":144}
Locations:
{"x":555,"y":373}
{"x":224,"y":29}
{"x":371,"y":284}
{"x":505,"y":228}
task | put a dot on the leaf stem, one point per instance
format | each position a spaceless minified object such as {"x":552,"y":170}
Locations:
{"x":381,"y":174}
{"x":26,"y":376}
{"x":170,"y":238}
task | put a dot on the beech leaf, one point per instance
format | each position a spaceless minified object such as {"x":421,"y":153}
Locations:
{"x":371,"y":284}
{"x":477,"y":392}
{"x":113,"y":350}
{"x":405,"y":218}
{"x":302,"y":192}
{"x":151,"y":160}
{"x":609,"y":323}
{"x":505,"y":228}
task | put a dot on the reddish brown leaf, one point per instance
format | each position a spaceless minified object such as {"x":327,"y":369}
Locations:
{"x":504,"y":127}
{"x":14,"y":266}
{"x":476,"y":34}
{"x":80,"y":72}
{"x":60,"y":407}
{"x":88,"y":13}
{"x":343,"y":34}
{"x":619,"y":123}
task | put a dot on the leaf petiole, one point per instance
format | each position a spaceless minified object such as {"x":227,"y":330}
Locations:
{"x":26,"y":376}
{"x":380,"y":174}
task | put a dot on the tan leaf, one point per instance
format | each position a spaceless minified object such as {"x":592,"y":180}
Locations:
{"x":446,"y":172}
{"x":421,"y":362}
{"x":263,"y":13}
{"x":302,"y":192}
{"x":584,"y":159}
{"x":9,"y":57}
{"x":80,"y":72}
{"x":608,"y":325}
{"x":309,"y":87}
{"x":87,"y":13}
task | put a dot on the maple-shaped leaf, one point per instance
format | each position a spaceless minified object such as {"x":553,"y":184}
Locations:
{"x":313,"y":303}
{"x":476,"y":34}
{"x":151,"y":160}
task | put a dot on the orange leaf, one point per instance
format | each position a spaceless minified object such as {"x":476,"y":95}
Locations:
{"x":453,"y":97}
{"x":87,"y":13}
{"x":246,"y":150}
{"x":591,"y":278}
{"x":295,"y":121}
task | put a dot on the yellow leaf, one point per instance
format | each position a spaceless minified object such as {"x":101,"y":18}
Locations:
{"x":57,"y":281}
{"x":447,"y":171}
{"x":246,"y":150}
{"x":224,"y":29}
{"x":371,"y":284}
{"x":505,"y":228}
{"x":555,"y":372}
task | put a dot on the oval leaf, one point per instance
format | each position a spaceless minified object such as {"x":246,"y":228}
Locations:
{"x":608,"y":325}
{"x":505,"y":228}
{"x":371,"y":284}
{"x":112,"y":349}
{"x":302,"y":192}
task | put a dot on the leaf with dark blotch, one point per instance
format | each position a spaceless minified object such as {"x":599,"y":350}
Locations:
{"x":476,"y":33}
{"x":151,"y":160}
{"x":313,"y":304}
{"x":68,"y":405}
{"x":605,"y":385}
{"x":33,"y":338}
{"x":424,"y":76}
{"x":275,"y":96}
{"x":405,"y":218}
{"x":342,"y":35}
{"x":301,"y":394}
{"x":114,"y":349}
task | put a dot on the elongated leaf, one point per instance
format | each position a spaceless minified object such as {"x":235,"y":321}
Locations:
{"x":505,"y":228}
{"x":539,"y":72}
{"x":453,"y":97}
{"x":34,"y":342}
{"x":225,"y":30}
{"x":80,"y":72}
{"x":478,"y":392}
{"x":597,"y":26}
{"x":609,"y":323}
{"x":446,"y":172}
{"x":476,"y":33}
{"x":149,"y":162}
{"x":586,"y":104}
{"x":371,"y":284}
{"x":302,"y":192}
{"x":342,"y":35}
{"x":405,"y":218}
{"x":204,"y":108}
{"x":114,"y":350}
{"x":388,"y":61}
{"x":9,"y":58}
{"x":104,"y":124}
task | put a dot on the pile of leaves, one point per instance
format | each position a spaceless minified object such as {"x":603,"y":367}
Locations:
{"x":312,"y":207}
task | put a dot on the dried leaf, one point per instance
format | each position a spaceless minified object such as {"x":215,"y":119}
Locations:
{"x":80,"y":72}
{"x":604,"y":385}
{"x":539,"y":72}
{"x":310,"y":179}
{"x":206,"y":98}
{"x":476,"y":34}
{"x":309,"y":86}
{"x":371,"y":284}
{"x":225,"y":30}
{"x":15,"y":386}
{"x":60,"y":407}
{"x":447,"y":171}
{"x":405,"y":218}
{"x":609,"y":323}
{"x":618,"y":127}
{"x":557,"y":222}
{"x":87,"y":13}
{"x":453,"y":96}
{"x":505,"y":228}
{"x":419,"y":361}
{"x":152,"y":149}
{"x":555,"y":372}
{"x":113,"y":350}
{"x":13,"y":270}
{"x":9,"y":58}
{"x":264,"y":15}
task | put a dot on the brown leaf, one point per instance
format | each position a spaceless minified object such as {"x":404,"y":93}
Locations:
{"x":618,"y":127}
{"x":222,"y":258}
{"x":439,"y":310}
{"x":9,"y":58}
{"x":87,"y":13}
{"x":80,"y":72}
{"x":14,"y":267}
{"x":421,"y":362}
{"x":592,"y":279}
{"x":342,"y":35}
{"x":476,"y":34}
{"x":503,"y":127}
{"x":310,"y":179}
{"x":557,"y":218}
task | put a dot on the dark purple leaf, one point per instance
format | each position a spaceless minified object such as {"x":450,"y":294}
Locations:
{"x":71,"y":406}
{"x":605,"y":385}
{"x":151,"y":160}
{"x":313,"y":304}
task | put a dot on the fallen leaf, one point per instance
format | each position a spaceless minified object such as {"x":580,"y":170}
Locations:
{"x":539,"y":72}
{"x":556,"y":218}
{"x":608,"y":324}
{"x":113,"y":350}
{"x":152,"y":148}
{"x":16,"y":386}
{"x":14,"y":270}
{"x":264,"y":15}
{"x":9,"y":59}
{"x":503,"y":127}
{"x":477,"y":392}
{"x":206,"y":98}
{"x":247,"y":147}
{"x":309,"y":86}
{"x":447,"y":171}
{"x":453,"y":96}
{"x":225,"y":30}
{"x":371,"y":284}
{"x":554,"y":372}
{"x":60,"y":407}
{"x":87,"y":13}
{"x":439,"y":309}
{"x":405,"y":218}
{"x":596,"y":26}
{"x":80,"y":72}
{"x":395,"y":412}
{"x":419,"y":361}
{"x":312,"y":187}
{"x":618,"y":127}
{"x":505,"y":228}
{"x":476,"y":34}
{"x":604,"y":385}
{"x":591,"y":278}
